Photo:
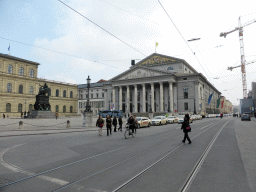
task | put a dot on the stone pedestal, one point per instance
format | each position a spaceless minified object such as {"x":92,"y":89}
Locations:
{"x":88,"y":119}
{"x":41,"y":114}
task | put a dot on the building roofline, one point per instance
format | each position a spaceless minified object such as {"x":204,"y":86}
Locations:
{"x":18,"y":59}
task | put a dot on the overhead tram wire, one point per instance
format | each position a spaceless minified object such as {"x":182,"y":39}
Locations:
{"x":183,"y":37}
{"x":102,"y":28}
{"x":66,"y":53}
{"x":130,"y":12}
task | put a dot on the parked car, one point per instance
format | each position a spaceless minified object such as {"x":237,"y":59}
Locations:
{"x":181,"y":119}
{"x":159,"y":120}
{"x":172,"y":119}
{"x":246,"y":117}
{"x":199,"y":117}
{"x":143,"y":122}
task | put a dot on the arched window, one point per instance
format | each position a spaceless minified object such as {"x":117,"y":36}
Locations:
{"x":57,"y":108}
{"x":21,"y":71}
{"x":170,"y":68}
{"x":71,"y":109}
{"x":8,"y":107}
{"x":9,"y":69}
{"x":9,"y":87}
{"x":20,"y":89}
{"x":71,"y":94}
{"x":57,"y":92}
{"x":64,"y":109}
{"x":64,"y":93}
{"x":31,"y":74}
{"x":20,"y":108}
{"x":30,"y":108}
{"x":31,"y":90}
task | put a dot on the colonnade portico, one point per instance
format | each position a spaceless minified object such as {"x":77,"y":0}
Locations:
{"x":139,"y":98}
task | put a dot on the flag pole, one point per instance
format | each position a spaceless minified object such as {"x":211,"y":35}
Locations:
{"x":9,"y":48}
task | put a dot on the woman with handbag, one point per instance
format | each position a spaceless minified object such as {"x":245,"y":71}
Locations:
{"x":186,"y":128}
{"x":99,"y":124}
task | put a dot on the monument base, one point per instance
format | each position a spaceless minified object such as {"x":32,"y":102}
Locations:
{"x":89,"y":117}
{"x":41,"y":114}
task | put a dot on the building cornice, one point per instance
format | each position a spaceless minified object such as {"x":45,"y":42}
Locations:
{"x":18,"y":59}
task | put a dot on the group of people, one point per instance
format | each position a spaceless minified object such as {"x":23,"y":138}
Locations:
{"x":109,"y":122}
{"x":132,"y":121}
{"x":4,"y":116}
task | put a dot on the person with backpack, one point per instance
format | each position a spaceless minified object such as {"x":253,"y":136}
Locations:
{"x":99,"y":124}
{"x":115,"y":123}
{"x":186,"y":128}
{"x":109,"y":124}
{"x":120,"y":121}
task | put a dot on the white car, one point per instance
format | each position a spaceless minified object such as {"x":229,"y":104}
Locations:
{"x":181,"y":119}
{"x":172,"y":119}
{"x":159,"y":120}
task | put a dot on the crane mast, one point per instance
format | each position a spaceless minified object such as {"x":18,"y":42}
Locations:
{"x":240,"y":29}
{"x":241,"y":37}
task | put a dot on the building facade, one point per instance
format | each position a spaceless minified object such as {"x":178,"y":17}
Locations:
{"x":161,"y":84}
{"x":96,"y":97}
{"x":19,"y":85}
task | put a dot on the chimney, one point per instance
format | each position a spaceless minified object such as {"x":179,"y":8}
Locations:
{"x":133,"y":62}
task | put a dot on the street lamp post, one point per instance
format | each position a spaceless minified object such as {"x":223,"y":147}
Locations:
{"x":25,"y":107}
{"x":108,"y":105}
{"x":150,"y":109}
{"x":88,"y":107}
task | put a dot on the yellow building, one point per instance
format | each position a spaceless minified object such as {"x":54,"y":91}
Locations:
{"x":19,"y":86}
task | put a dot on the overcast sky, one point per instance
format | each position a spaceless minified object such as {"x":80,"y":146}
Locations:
{"x":140,"y":23}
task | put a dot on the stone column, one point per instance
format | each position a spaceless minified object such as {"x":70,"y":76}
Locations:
{"x":120,"y":98}
{"x":113,"y":97}
{"x":152,"y":97}
{"x":135,"y":99}
{"x":143,"y":98}
{"x":171,"y":97}
{"x":128,"y":98}
{"x":161,"y":97}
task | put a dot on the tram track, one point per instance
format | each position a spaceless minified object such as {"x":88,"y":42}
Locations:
{"x":112,"y":165}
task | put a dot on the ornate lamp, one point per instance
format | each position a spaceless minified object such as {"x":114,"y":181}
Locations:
{"x":88,"y":107}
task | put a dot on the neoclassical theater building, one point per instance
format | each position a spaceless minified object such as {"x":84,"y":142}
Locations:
{"x":19,"y":85}
{"x":161,"y":84}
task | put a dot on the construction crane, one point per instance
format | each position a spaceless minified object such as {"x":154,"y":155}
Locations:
{"x":240,"y":29}
{"x":247,"y":63}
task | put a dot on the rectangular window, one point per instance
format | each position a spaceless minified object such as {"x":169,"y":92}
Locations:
{"x":91,"y":95}
{"x":185,"y":95}
{"x":102,"y":94}
{"x":81,"y":96}
{"x":185,"y":106}
{"x":97,"y":95}
{"x":87,"y":96}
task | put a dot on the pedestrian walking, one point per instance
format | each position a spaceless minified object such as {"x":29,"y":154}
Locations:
{"x":21,"y":114}
{"x":115,"y":123}
{"x":99,"y":124}
{"x":56,"y":115}
{"x":186,"y":128}
{"x":108,"y":125}
{"x":120,"y":121}
{"x":3,"y":116}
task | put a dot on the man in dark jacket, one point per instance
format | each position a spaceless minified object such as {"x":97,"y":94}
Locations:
{"x":184,"y":125}
{"x":108,"y":124}
{"x":115,"y":123}
{"x":120,"y":121}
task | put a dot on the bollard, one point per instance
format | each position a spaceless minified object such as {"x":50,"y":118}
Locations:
{"x":68,"y":123}
{"x":20,"y":124}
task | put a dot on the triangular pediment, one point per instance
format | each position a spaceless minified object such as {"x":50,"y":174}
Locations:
{"x":156,"y":58}
{"x":139,"y":72}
